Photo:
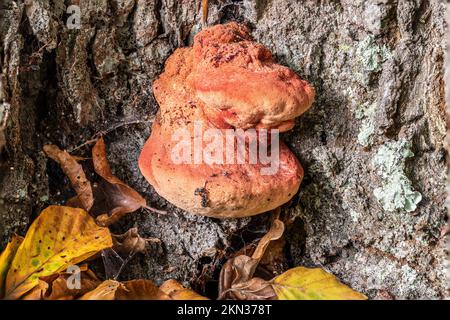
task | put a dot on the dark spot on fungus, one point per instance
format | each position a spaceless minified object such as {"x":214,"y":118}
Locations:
{"x":202,"y":192}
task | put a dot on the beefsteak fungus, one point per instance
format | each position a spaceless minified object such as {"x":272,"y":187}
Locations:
{"x":225,"y":83}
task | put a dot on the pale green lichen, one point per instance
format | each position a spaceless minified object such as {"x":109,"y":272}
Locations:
{"x":366,"y":113}
{"x":396,"y":192}
{"x":370,"y":57}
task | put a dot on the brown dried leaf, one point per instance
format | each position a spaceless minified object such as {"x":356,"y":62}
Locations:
{"x":254,"y":289}
{"x":237,"y":273}
{"x":176,"y":291}
{"x":59,"y":289}
{"x":276,"y":232}
{"x":38,"y":292}
{"x":131,"y":242}
{"x":140,"y":290}
{"x":112,"y":195}
{"x":129,"y":290}
{"x":56,"y":286}
{"x":74,"y":171}
{"x":274,"y":260}
{"x":105,"y":291}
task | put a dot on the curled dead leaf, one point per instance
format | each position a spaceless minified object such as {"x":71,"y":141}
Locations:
{"x":236,"y":273}
{"x":131,"y":242}
{"x":254,"y":289}
{"x":275,"y":232}
{"x":112,"y":195}
{"x":74,"y":171}
{"x":62,"y":286}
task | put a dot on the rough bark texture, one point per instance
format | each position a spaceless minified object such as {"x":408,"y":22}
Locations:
{"x":371,"y":206}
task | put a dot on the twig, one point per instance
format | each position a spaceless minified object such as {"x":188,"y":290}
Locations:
{"x":151,"y":209}
{"x":105,"y":132}
{"x":90,"y":141}
{"x":204,"y":12}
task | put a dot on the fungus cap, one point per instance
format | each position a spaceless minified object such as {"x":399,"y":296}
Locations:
{"x":192,"y":90}
{"x":240,"y":81}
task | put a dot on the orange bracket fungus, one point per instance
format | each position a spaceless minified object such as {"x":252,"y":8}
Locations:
{"x":214,"y":149}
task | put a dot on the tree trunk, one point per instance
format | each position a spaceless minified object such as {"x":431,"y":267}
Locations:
{"x":371,"y":206}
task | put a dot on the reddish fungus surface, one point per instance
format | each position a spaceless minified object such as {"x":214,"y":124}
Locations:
{"x":225,"y":81}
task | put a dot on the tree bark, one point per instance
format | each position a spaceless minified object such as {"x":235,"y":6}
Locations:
{"x":371,"y":206}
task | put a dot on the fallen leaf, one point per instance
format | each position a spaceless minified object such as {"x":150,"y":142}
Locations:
{"x":275,"y":232}
{"x":74,"y":171}
{"x":238,"y":271}
{"x":312,"y":284}
{"x":131,"y":242}
{"x":235,"y":272}
{"x":59,"y":288}
{"x":112,"y":195}
{"x":176,"y":291}
{"x":105,"y":291}
{"x":37,"y":293}
{"x":6,"y":258}
{"x":59,"y":237}
{"x":274,"y":261}
{"x":254,"y":289}
{"x":140,"y":290}
{"x":128,"y":290}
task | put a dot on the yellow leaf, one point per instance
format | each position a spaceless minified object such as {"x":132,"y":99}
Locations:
{"x":6,"y":258}
{"x":58,"y":238}
{"x":312,"y":284}
{"x":177,"y":292}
